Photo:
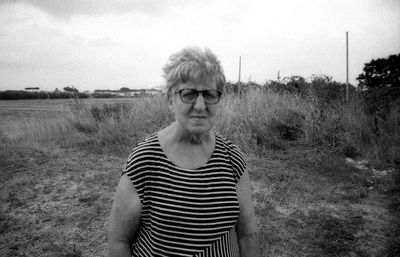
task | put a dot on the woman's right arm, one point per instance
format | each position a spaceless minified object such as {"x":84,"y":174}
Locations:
{"x":124,"y":220}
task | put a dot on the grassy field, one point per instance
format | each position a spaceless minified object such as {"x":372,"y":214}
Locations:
{"x":60,"y":162}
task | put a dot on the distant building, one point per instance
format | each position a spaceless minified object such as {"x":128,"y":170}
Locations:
{"x":32,"y":89}
{"x":152,"y":91}
{"x":134,"y":92}
{"x":106,"y":92}
{"x":129,"y":93}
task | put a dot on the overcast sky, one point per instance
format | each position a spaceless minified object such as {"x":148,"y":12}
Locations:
{"x":101,"y":44}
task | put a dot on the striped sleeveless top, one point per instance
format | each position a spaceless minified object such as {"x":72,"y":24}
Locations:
{"x":186,"y":212}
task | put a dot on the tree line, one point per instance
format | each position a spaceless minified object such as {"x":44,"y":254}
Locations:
{"x":378,"y":88}
{"x":21,"y":94}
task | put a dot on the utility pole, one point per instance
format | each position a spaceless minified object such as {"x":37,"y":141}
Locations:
{"x":240,"y":70}
{"x":347,"y":66}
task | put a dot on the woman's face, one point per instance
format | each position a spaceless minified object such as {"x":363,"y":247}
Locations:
{"x":197,"y":117}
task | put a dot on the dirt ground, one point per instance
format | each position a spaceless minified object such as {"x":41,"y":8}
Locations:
{"x":56,"y":203}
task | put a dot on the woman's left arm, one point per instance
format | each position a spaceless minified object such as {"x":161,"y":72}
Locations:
{"x":246,"y":227}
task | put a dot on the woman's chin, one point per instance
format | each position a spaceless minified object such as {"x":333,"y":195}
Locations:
{"x":199,"y":129}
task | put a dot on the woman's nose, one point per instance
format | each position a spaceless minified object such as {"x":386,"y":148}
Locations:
{"x":199,"y":104}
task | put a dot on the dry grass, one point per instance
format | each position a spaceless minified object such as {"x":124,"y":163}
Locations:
{"x":319,"y":208}
{"x":55,"y":203}
{"x":259,"y":120}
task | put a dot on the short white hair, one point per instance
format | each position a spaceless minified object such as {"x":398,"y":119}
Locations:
{"x":193,"y":64}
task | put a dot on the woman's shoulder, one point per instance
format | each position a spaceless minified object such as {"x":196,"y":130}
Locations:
{"x":149,"y":144}
{"x":226,"y":143}
{"x":229,"y":147}
{"x":236,"y":156}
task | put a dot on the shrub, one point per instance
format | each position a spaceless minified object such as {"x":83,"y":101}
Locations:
{"x":350,"y":151}
{"x":290,"y":126}
{"x":295,"y":85}
{"x":261,"y":119}
{"x":110,"y":110}
{"x":86,"y":128}
{"x":117,"y":126}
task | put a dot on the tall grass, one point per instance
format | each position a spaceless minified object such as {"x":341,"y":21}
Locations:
{"x":101,"y":127}
{"x":269,"y":120}
{"x":262,"y":119}
{"x":258,"y":121}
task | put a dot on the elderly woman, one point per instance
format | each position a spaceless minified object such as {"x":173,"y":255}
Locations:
{"x":185,"y":190}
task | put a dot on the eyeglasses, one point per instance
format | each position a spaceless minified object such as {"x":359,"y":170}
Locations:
{"x":189,"y":95}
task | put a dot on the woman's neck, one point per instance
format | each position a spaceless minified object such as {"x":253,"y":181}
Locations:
{"x":178,"y":135}
{"x":184,"y":149}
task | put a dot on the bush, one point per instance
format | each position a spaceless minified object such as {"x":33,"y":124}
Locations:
{"x":290,"y":126}
{"x":261,"y":119}
{"x":117,"y":126}
{"x":113,"y":110}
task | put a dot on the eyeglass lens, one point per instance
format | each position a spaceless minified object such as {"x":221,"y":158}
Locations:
{"x":190,"y":95}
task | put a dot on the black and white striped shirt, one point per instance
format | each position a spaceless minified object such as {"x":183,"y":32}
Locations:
{"x":186,"y":212}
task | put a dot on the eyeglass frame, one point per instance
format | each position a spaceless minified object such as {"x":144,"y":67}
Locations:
{"x":219,"y":94}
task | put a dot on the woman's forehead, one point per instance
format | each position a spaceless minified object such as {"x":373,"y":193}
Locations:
{"x":209,"y":83}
